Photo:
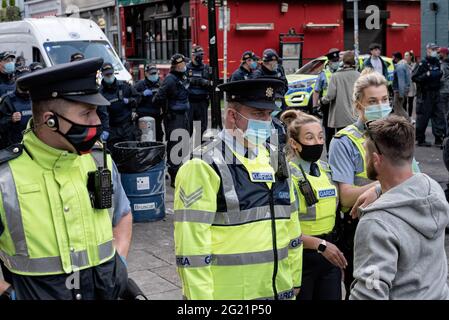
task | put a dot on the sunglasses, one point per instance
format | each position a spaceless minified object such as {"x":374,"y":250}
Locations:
{"x":370,"y":136}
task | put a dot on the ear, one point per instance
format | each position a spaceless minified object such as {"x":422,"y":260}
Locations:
{"x":295,"y":145}
{"x":50,"y":120}
{"x":377,"y":159}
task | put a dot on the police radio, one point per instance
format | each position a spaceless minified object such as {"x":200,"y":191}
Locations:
{"x":99,"y":184}
{"x":306,"y":189}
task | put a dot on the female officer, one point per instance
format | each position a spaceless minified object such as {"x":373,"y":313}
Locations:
{"x":347,"y":157}
{"x":317,"y":199}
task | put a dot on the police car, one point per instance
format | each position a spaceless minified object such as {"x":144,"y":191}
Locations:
{"x":302,"y":82}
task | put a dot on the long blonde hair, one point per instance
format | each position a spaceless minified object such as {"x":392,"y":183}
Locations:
{"x":295,"y":120}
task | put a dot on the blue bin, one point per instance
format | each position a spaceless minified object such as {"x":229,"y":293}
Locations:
{"x":146,"y":192}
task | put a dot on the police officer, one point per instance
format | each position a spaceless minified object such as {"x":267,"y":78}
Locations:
{"x":427,"y":76}
{"x":117,"y":118}
{"x":77,"y":56}
{"x":173,"y":98}
{"x":317,"y":199}
{"x":320,"y":89}
{"x":148,"y":88}
{"x":271,"y":67}
{"x":62,"y":248}
{"x":198,"y":74}
{"x":7,"y":70}
{"x":15,"y":111}
{"x":247,"y":67}
{"x":237,"y":234}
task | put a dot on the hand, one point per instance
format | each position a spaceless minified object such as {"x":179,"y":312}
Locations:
{"x":105,"y":136}
{"x":335,"y":256}
{"x":134,"y":116}
{"x":366,"y":198}
{"x":296,"y":291}
{"x":16,"y":117}
{"x":148,"y":93}
{"x":428,"y":73}
{"x":316,"y":111}
{"x":125,"y":100}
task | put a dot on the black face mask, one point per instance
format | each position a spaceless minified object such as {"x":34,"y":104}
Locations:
{"x":311,"y":153}
{"x":81,"y":137}
{"x":199,"y":59}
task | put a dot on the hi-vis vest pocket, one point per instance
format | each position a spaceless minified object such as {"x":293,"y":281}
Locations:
{"x":29,"y":188}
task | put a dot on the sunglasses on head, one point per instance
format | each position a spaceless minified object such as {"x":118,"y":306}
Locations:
{"x":369,"y":134}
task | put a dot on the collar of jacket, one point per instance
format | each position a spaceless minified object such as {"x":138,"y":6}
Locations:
{"x":44,"y":155}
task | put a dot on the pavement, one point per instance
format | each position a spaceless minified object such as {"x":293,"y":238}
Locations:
{"x":151,"y":261}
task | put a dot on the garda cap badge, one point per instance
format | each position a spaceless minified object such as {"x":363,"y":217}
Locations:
{"x":269,"y":92}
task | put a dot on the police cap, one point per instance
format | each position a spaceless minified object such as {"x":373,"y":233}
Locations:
{"x":6,"y":54}
{"x":177,"y":58}
{"x":151,"y":68}
{"x":36,"y":66}
{"x":75,"y":81}
{"x":270,"y":55}
{"x":21,"y":71}
{"x":248,"y":55}
{"x":333,"y":54}
{"x":432,"y":46}
{"x":76,"y":57}
{"x":261,"y":93}
{"x":107,"y":69}
{"x":197,"y":50}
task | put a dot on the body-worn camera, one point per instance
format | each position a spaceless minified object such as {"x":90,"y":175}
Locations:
{"x":306,"y":189}
{"x":99,"y":185}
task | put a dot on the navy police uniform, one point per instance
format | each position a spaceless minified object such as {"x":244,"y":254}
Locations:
{"x":117,"y":118}
{"x":427,"y":76}
{"x":198,"y":74}
{"x":146,"y":108}
{"x":7,"y":81}
{"x":17,"y":101}
{"x":242,"y":73}
{"x":173,"y":99}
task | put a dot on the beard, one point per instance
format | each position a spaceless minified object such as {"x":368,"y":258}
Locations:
{"x":371,"y":172}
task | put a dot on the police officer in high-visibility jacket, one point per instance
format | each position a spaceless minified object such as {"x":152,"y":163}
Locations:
{"x":317,"y":202}
{"x":237,"y":233}
{"x":56,"y":242}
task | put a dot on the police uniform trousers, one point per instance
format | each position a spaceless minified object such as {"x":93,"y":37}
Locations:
{"x":198,"y":112}
{"x":321,"y":280}
{"x":176,"y":120}
{"x":428,"y":107}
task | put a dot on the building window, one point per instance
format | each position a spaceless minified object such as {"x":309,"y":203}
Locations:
{"x":165,"y":37}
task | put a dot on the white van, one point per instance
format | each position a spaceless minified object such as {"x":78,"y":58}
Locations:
{"x":53,"y":40}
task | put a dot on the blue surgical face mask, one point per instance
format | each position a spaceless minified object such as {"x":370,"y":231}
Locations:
{"x":253,"y":65}
{"x":275,"y":67}
{"x":377,"y":111}
{"x":109,"y":80}
{"x":10,"y":67}
{"x":184,"y":69}
{"x":258,"y":131}
{"x":433,"y":54}
{"x":153,"y":78}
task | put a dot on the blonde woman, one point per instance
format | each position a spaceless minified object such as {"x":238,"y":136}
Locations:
{"x":317,"y":199}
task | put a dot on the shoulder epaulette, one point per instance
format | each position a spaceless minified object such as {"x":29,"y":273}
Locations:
{"x":10,"y":153}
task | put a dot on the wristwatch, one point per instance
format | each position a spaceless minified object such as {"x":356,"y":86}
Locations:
{"x":322,"y":246}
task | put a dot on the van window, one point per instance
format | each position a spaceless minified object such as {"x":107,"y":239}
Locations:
{"x":60,"y":52}
{"x":37,"y":56}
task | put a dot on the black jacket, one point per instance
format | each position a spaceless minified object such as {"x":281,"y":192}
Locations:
{"x":427,"y":75}
{"x":263,"y":72}
{"x":173,"y":94}
{"x":11,"y":132}
{"x":241,"y":74}
{"x":199,"y":79}
{"x":146,"y":106}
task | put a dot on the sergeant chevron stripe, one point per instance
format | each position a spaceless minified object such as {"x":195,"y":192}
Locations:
{"x":190,"y":199}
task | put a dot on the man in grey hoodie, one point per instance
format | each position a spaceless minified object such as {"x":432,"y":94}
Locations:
{"x":399,"y":243}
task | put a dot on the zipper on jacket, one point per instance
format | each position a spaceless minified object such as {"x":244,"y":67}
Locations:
{"x":275,"y":249}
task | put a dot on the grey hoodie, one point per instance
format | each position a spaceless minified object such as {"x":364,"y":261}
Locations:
{"x":399,"y":244}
